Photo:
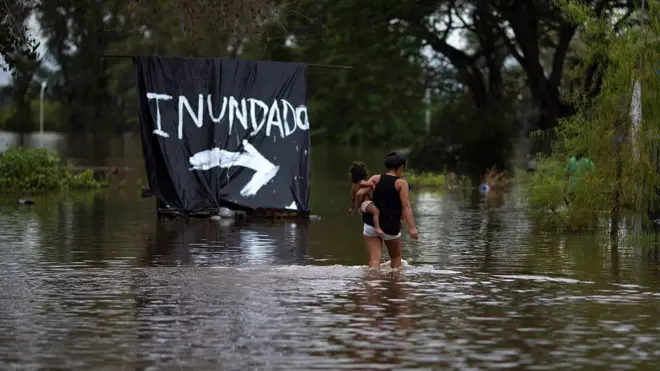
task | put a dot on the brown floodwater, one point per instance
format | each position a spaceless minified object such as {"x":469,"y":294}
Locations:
{"x":94,"y":281}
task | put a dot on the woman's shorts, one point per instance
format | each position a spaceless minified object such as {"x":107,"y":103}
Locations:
{"x":369,"y":231}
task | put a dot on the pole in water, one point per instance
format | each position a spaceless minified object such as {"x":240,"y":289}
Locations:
{"x":427,"y":102}
{"x":41,"y":113}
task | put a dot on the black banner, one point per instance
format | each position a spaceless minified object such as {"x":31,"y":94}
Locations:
{"x":218,"y":131}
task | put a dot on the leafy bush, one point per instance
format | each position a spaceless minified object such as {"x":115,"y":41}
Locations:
{"x":550,"y":201}
{"x":36,"y":169}
{"x":425,"y":179}
{"x":626,"y":169}
{"x":84,"y":180}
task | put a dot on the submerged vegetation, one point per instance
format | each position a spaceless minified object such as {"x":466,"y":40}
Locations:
{"x":35,"y":169}
{"x":605,"y":128}
{"x":437,"y":180}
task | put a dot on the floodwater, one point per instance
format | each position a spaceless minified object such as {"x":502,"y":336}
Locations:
{"x":93,"y":281}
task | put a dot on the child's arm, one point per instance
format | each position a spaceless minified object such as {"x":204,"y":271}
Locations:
{"x":363,"y":188}
{"x":371,"y":183}
{"x":367,"y":183}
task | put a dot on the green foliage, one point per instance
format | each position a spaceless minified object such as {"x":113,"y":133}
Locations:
{"x":555,"y":205}
{"x":30,"y":169}
{"x":16,"y":45}
{"x":6,"y":112}
{"x":603,"y":128}
{"x":83,"y":180}
{"x":36,"y":169}
{"x":426,"y":179}
{"x":380,"y":100}
{"x":78,"y":36}
{"x":480,"y":138}
{"x":52,"y":111}
{"x":430,"y":179}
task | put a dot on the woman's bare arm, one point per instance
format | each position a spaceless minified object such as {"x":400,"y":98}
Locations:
{"x":403,"y":188}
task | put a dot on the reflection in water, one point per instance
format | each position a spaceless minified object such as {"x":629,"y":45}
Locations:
{"x":94,"y":281}
{"x":228,"y":242}
{"x":50,"y":140}
{"x":232,"y":295}
{"x":383,"y":299}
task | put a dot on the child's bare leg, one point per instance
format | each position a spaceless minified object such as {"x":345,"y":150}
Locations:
{"x":373,"y":210}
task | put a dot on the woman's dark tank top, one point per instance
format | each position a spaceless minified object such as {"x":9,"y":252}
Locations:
{"x":386,"y":198}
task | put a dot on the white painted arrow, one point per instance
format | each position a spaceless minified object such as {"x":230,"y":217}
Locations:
{"x":249,"y":157}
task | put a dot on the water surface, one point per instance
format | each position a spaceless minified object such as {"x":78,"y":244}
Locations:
{"x":93,"y":281}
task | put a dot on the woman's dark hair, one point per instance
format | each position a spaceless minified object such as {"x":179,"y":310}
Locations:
{"x":358,"y":172}
{"x":394,"y":160}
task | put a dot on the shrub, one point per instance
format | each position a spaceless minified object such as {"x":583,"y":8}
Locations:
{"x":36,"y":169}
{"x":84,"y":180}
{"x":425,"y":179}
{"x":627,"y":165}
{"x":429,"y":179}
{"x":549,"y":201}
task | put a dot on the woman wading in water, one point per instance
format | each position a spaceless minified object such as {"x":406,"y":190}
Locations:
{"x":390,"y":196}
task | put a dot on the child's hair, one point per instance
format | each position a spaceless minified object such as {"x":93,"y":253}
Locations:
{"x":358,"y":172}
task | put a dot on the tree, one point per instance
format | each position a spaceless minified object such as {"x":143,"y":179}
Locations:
{"x":602,"y":124}
{"x":528,"y":31}
{"x":208,"y":28}
{"x":78,"y":35}
{"x":211,"y":28}
{"x":486,"y":95}
{"x":19,"y":52}
{"x":380,"y":100}
{"x":16,"y":45}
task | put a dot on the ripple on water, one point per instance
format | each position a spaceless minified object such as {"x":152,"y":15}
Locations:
{"x":203,"y":296}
{"x":335,"y":317}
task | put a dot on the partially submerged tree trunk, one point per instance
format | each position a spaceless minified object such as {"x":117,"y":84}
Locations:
{"x":620,"y":129}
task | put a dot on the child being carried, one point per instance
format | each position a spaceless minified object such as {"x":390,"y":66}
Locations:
{"x":361,"y":196}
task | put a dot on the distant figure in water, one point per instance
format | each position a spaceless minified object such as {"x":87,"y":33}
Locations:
{"x":363,"y":201}
{"x":577,"y":167}
{"x":390,"y":195}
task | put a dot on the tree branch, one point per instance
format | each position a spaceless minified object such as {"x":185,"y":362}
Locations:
{"x":566,"y":33}
{"x":623,"y":20}
{"x":464,"y":63}
{"x":465,"y":24}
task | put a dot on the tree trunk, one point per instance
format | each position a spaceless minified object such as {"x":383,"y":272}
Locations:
{"x":616,"y":198}
{"x":22,"y":119}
